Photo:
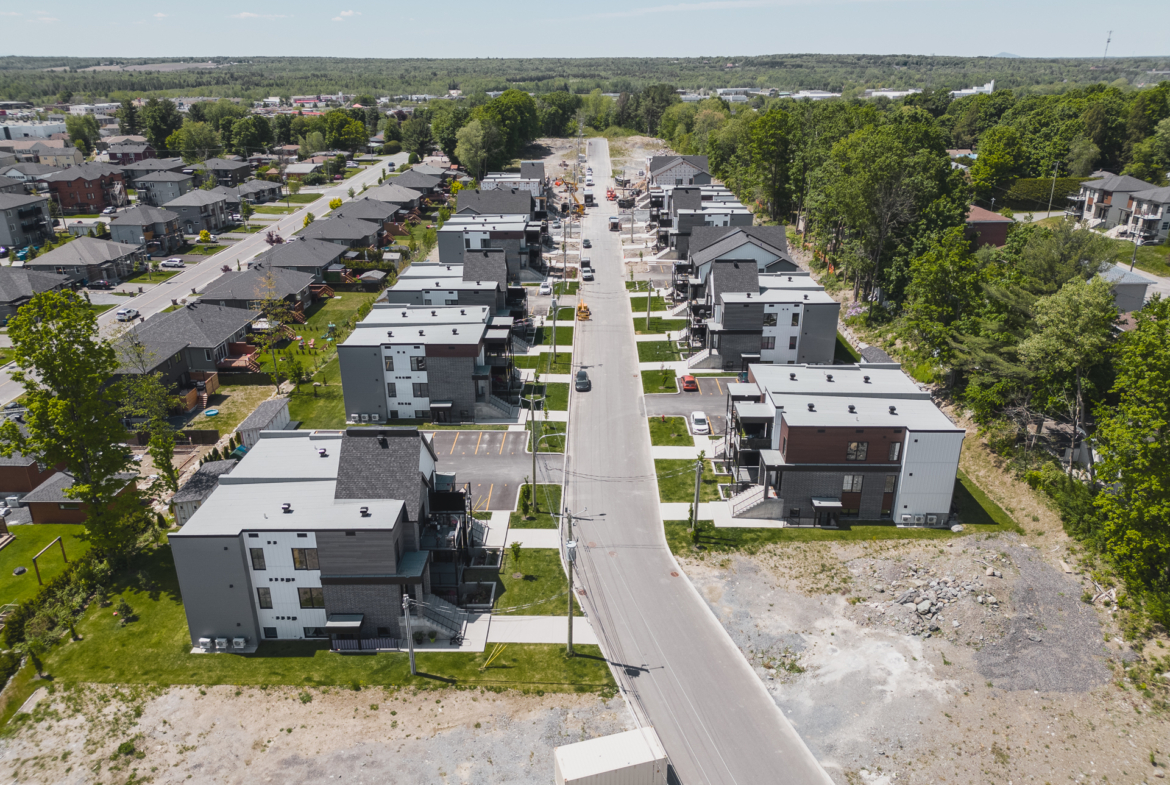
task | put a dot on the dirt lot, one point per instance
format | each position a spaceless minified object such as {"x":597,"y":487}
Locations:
{"x":906,"y":661}
{"x":229,"y":735}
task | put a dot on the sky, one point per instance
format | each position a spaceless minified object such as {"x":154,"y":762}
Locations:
{"x":598,"y":28}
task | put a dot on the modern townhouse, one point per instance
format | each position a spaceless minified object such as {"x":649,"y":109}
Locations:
{"x":407,"y":199}
{"x":91,"y":259}
{"x":322,"y":534}
{"x":24,"y":220}
{"x":1104,"y":202}
{"x":678,"y":170}
{"x":125,"y":153}
{"x":813,"y":445}
{"x":380,"y":214}
{"x":347,"y":232}
{"x":224,"y":171}
{"x":153,"y":228}
{"x":200,"y":211}
{"x":442,"y":364}
{"x":18,"y":285}
{"x":719,"y":214}
{"x":536,"y":186}
{"x":1149,"y":215}
{"x":198,"y":489}
{"x":315,"y":257}
{"x":481,"y":280}
{"x":497,"y":201}
{"x":246,"y":288}
{"x":767,"y":246}
{"x":425,"y":184}
{"x":517,"y":236}
{"x":132,"y":171}
{"x":88,"y":188}
{"x":158,"y":188}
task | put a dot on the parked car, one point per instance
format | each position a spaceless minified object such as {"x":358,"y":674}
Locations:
{"x":555,"y":225}
{"x":700,"y":425}
{"x":174,"y":263}
{"x":350,"y":165}
{"x":109,"y":211}
{"x":100,"y":284}
{"x":583,"y":383}
{"x":237,"y":217}
{"x":214,"y":239}
{"x":546,"y":288}
{"x":586,"y":243}
{"x":689,"y":384}
{"x":126,"y":314}
{"x":587,"y":274}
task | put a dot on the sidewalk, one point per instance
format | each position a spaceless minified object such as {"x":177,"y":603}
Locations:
{"x":540,"y":629}
{"x":534,"y":538}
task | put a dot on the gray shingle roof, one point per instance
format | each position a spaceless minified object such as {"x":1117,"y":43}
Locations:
{"x":875,"y":354}
{"x":163,"y":177}
{"x":196,"y":198}
{"x":704,"y":236}
{"x":427,"y":169}
{"x":203,"y":481}
{"x":263,"y":414}
{"x":201,"y":325}
{"x":227,"y":192}
{"x":258,"y":186}
{"x":18,"y":458}
{"x":82,"y":251}
{"x":302,"y":253}
{"x":381,"y":463}
{"x":221,"y":165}
{"x":144,"y":216}
{"x":32,"y":170}
{"x":392,"y":193}
{"x":486,"y":265}
{"x":532,"y":170}
{"x":501,"y":201}
{"x":413,"y":179}
{"x":660,"y":162}
{"x":8,"y":201}
{"x":251,"y":284}
{"x":734,"y":277}
{"x":129,"y":147}
{"x":338,"y":229}
{"x":16,"y":283}
{"x":1120,"y":183}
{"x":1118,"y":274}
{"x":154,"y":165}
{"x":6,"y":182}
{"x":53,"y":489}
{"x":1153,"y":195}
{"x":365,"y":210}
{"x":685,"y":199}
{"x":82,"y":172}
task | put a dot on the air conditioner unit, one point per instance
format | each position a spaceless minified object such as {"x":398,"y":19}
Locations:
{"x":365,"y":418}
{"x":907,"y":518}
{"x":353,"y":418}
{"x":239,"y":643}
{"x":932,"y":519}
{"x":221,"y":643}
{"x":919,"y":518}
{"x":374,"y":417}
{"x":205,"y":644}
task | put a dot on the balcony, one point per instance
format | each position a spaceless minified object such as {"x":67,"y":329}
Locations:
{"x":748,"y":438}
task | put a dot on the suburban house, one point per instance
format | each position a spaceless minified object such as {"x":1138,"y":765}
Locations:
{"x":20,"y":474}
{"x":57,"y":153}
{"x":536,"y":187}
{"x":200,"y":211}
{"x":391,"y":193}
{"x":813,"y":445}
{"x":189,"y":344}
{"x":156,"y":229}
{"x":91,"y":259}
{"x":9,"y":185}
{"x":314,"y":257}
{"x":125,"y":153}
{"x":197,"y":489}
{"x":380,"y":214}
{"x":114,"y":138}
{"x":442,"y":364}
{"x":499,"y":201}
{"x":678,"y":170}
{"x":301,"y":170}
{"x":88,"y":188}
{"x":1129,"y":288}
{"x":271,"y":415}
{"x":321,"y":534}
{"x":986,"y":228}
{"x":32,"y":175}
{"x":745,"y":318}
{"x":47,"y":503}
{"x":1149,"y":216}
{"x":766,"y":245}
{"x":348,"y":232}
{"x":18,"y":285}
{"x":418,"y":181}
{"x":24,"y":220}
{"x":259,"y":282}
{"x":225,"y":172}
{"x":516,"y":235}
{"x":259,"y":191}
{"x":133,"y":171}
{"x":158,"y":188}
{"x":1105,"y":202}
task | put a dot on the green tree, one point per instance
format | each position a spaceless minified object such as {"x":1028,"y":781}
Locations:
{"x":480,"y":145}
{"x":1082,"y":156}
{"x":445,"y":125}
{"x":772,"y":153}
{"x":1151,"y":156}
{"x":127,"y":118}
{"x":159,"y":118}
{"x":308,"y":219}
{"x":944,"y":289}
{"x":1054,"y":256}
{"x":276,"y":311}
{"x":251,"y":135}
{"x":83,"y":131}
{"x":999,"y":163}
{"x":1135,"y":453}
{"x":416,"y":137}
{"x":246,"y":211}
{"x":146,"y":402}
{"x":70,"y":397}
{"x":514,"y":114}
{"x":199,"y":142}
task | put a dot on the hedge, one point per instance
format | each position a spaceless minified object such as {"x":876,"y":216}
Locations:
{"x":1032,"y":193}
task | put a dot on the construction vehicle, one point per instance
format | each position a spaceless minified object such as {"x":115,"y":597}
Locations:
{"x":583,"y":313}
{"x":610,"y":194}
{"x":589,"y":198}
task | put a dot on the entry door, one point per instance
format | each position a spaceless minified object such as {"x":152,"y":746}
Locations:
{"x":440,"y":415}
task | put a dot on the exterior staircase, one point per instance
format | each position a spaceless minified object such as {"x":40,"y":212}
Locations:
{"x":202,"y":403}
{"x":519,"y":345}
{"x":298,"y":317}
{"x":694,"y":360}
{"x":321,"y":291}
{"x":507,"y":410}
{"x":743,"y":501}
{"x":442,"y":614}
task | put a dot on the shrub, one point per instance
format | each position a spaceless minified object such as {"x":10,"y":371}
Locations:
{"x":418,"y":637}
{"x":124,"y":611}
{"x":1032,"y":193}
{"x":392,"y":147}
{"x":413,"y":159}
{"x":126,"y":748}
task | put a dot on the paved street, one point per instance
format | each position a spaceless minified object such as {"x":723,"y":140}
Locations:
{"x":680,"y":669}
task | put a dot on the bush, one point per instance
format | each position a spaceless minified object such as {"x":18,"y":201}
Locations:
{"x":1031,"y":193}
{"x":124,"y":611}
{"x":315,"y":178}
{"x":413,"y":159}
{"x":9,"y":664}
{"x":126,"y":748}
{"x":392,"y":147}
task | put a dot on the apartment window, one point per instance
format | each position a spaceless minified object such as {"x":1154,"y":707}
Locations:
{"x":418,"y":363}
{"x":450,"y":302}
{"x":793,"y":512}
{"x":770,"y":319}
{"x":891,"y":481}
{"x":422,"y":414}
{"x":678,"y":181}
{"x":269,"y":632}
{"x":257,"y":558}
{"x":796,"y":320}
{"x":768,"y":342}
{"x":895,"y":450}
{"x":391,"y":390}
{"x":393,"y":415}
{"x":315,"y":632}
{"x":311,"y":598}
{"x":792,"y":342}
{"x":389,"y":363}
{"x":784,"y":445}
{"x":856,"y":451}
{"x":207,"y":354}
{"x":264,"y":595}
{"x":422,"y":390}
{"x":305,"y":559}
{"x":852,"y":483}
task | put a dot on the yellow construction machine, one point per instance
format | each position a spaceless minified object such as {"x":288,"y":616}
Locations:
{"x":583,"y":313}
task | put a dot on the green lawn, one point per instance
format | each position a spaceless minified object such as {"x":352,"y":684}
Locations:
{"x":566,"y":287}
{"x":155,"y":649}
{"x":101,"y":308}
{"x":676,"y":481}
{"x":657,"y":381}
{"x":202,"y":250}
{"x":1151,"y":258}
{"x":638,"y":286}
{"x":300,"y":198}
{"x":320,"y":407}
{"x":659,"y":352}
{"x":544,"y":362}
{"x":564,"y":336}
{"x":31,"y":538}
{"x":269,"y":209}
{"x":977,"y":510}
{"x":548,"y":499}
{"x":658,"y":325}
{"x":542,"y":581}
{"x":548,"y":443}
{"x":638,"y":304}
{"x":5,"y":356}
{"x":146,"y":276}
{"x":843,"y":353}
{"x":670,"y":432}
{"x":252,"y":229}
{"x":556,"y":394}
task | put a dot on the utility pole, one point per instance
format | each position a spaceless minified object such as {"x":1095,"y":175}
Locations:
{"x":1052,"y":193}
{"x":698,"y":480}
{"x":555,"y":309}
{"x":535,"y":440}
{"x":1133,"y":260}
{"x":409,"y":636}
{"x":649,"y":294}
{"x":571,"y":549}
{"x":1108,"y":38}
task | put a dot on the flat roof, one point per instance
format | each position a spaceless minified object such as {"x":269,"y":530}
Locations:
{"x":779,"y":296}
{"x":441,"y":284}
{"x":742,"y":389}
{"x":793,"y":280}
{"x":446,"y":334}
{"x":391,"y":314}
{"x":755,"y":410}
{"x":289,"y":456}
{"x":606,"y":754}
{"x":859,"y":381}
{"x":833,"y":412}
{"x":431,"y":271}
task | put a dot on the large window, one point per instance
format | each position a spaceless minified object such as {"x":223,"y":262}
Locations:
{"x":315,"y":632}
{"x":422,"y":390}
{"x":856,"y":451}
{"x":391,"y":390}
{"x":264,"y":595}
{"x":792,"y":342}
{"x":269,"y":632}
{"x":389,"y":363}
{"x":311,"y":598}
{"x":768,"y":342}
{"x":305,"y":559}
{"x":770,"y":319}
{"x":796,"y":320}
{"x":891,"y":481}
{"x":418,"y":363}
{"x":257,"y":558}
{"x":852,"y":483}
{"x":895,"y":450}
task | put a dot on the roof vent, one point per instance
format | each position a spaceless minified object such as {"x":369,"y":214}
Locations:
{"x":790,"y":279}
{"x":433,"y":313}
{"x":812,"y":407}
{"x":286,"y":507}
{"x":792,"y":376}
{"x":462,"y":312}
{"x":806,"y":297}
{"x":828,"y":377}
{"x":420,"y":332}
{"x":893,"y":410}
{"x":389,"y":333}
{"x":865,"y":379}
{"x":852,"y":409}
{"x":322,"y":452}
{"x":454,"y":331}
{"x":404,"y":314}
{"x":365,"y":512}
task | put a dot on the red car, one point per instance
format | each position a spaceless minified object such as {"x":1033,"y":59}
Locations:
{"x":689,"y":384}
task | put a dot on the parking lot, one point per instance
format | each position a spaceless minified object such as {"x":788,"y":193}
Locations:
{"x":495,"y":463}
{"x":711,"y":399}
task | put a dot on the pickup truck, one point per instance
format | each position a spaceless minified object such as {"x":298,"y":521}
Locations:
{"x":615,"y":223}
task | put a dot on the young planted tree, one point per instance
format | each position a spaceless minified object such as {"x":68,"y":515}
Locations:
{"x":276,"y":311}
{"x":146,"y":402}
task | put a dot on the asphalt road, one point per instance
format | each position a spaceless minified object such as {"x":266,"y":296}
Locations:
{"x":495,"y":463}
{"x":682,"y":672}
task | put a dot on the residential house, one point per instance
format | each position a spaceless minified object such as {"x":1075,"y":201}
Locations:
{"x":9,"y":185}
{"x":29,"y":174}
{"x":158,"y":188}
{"x":271,"y":415}
{"x":498,"y":201}
{"x":380,"y":214}
{"x":532,"y":170}
{"x":1149,"y":215}
{"x":1129,"y":288}
{"x":302,"y":170}
{"x":814,"y":445}
{"x":225,"y":172}
{"x":537,"y":187}
{"x":678,"y":170}
{"x":766,"y":245}
{"x":443,"y":364}
{"x":261,"y":282}
{"x":125,"y":153}
{"x":404,"y":198}
{"x":132,"y":171}
{"x":24,"y":220}
{"x":198,"y":489}
{"x":115,"y":138}
{"x":49,"y":503}
{"x":50,"y":152}
{"x":1105,"y":201}
{"x":154,"y":228}
{"x":200,"y":211}
{"x":314,"y":257}
{"x":425,"y":184}
{"x":332,"y":548}
{"x":18,"y":285}
{"x":7,"y":159}
{"x":676,"y":233}
{"x":986,"y":228}
{"x":259,"y":191}
{"x":91,"y":259}
{"x":88,"y":188}
{"x":517,"y":235}
{"x":349,"y":232}
{"x":21,"y":474}
{"x":189,"y":344}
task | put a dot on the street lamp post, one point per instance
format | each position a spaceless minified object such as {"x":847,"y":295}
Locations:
{"x":571,"y":557}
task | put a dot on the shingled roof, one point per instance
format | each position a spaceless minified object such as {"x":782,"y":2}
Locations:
{"x":83,"y":251}
{"x":487,"y":264}
{"x":252,"y":284}
{"x":500,"y":201}
{"x":302,"y":253}
{"x":732,"y":276}
{"x":382,"y":463}
{"x":17,"y":283}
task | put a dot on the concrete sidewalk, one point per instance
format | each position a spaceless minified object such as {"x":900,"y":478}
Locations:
{"x":540,"y":629}
{"x":534,"y":538}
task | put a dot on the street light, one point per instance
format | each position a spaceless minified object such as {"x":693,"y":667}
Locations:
{"x":571,"y":556}
{"x":1137,"y":242}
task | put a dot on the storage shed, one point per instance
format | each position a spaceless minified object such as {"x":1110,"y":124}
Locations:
{"x":269,"y":416}
{"x":635,"y":757}
{"x":192,"y":495}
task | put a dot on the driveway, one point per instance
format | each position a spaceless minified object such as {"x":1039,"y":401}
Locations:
{"x":495,"y":463}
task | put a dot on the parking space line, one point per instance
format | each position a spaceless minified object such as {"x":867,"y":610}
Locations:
{"x":477,"y":441}
{"x":718,"y":386}
{"x":454,"y":443}
{"x":489,"y":496}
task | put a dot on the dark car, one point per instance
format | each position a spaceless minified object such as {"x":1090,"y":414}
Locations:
{"x":102,"y":284}
{"x":586,"y":244}
{"x":583,"y":383}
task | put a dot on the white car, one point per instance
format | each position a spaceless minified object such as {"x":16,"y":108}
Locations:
{"x":214,"y":239}
{"x":700,"y":425}
{"x":109,"y":211}
{"x":546,"y":288}
{"x":126,"y":314}
{"x":173,"y":263}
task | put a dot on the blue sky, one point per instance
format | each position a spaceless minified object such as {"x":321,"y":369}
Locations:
{"x":605,"y":28}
